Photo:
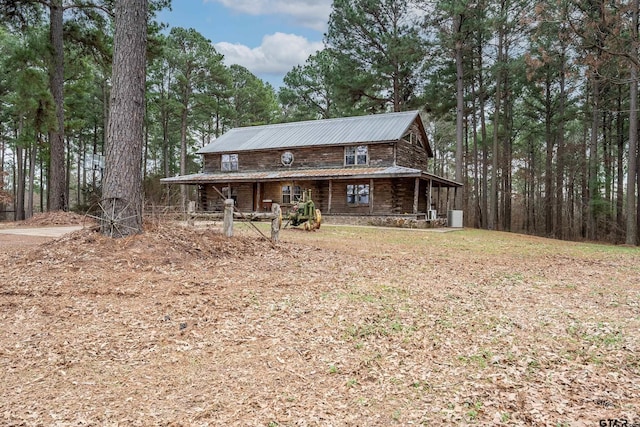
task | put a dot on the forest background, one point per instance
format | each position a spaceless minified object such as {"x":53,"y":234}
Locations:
{"x":533,"y":107}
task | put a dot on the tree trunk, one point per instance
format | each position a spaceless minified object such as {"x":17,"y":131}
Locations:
{"x":620,"y":185}
{"x":3,"y":195}
{"x":67,"y":189}
{"x":32,"y":177}
{"x":584,"y":181}
{"x":531,"y":213}
{"x":607,"y":165}
{"x":43,"y":180}
{"x":20,"y":187}
{"x":631,"y":235}
{"x":593,"y":195}
{"x":94,"y":186}
{"x":571,"y":205}
{"x":560,"y":165}
{"x":459,"y":108}
{"x":164,"y":117}
{"x":122,"y":186}
{"x":57,"y":177}
{"x":397,"y":107}
{"x":145,"y":151}
{"x":637,"y":188}
{"x":548,"y":173}
{"x":476,"y":167}
{"x":507,"y":155}
{"x":631,"y":232}
{"x":82,"y":174}
{"x":183,"y":141}
{"x":485,"y":152}
{"x":493,"y":194}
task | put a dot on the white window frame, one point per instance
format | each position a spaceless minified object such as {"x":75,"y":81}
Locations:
{"x":296,"y":193}
{"x":356,"y":155}
{"x":286,"y":194}
{"x":413,"y":139}
{"x":358,"y":194}
{"x":291,"y":194}
{"x":229,"y":162}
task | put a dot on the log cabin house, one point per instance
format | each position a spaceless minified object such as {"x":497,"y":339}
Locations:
{"x":355,"y":166}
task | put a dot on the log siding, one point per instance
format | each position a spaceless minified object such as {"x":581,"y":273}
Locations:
{"x":380,"y":154}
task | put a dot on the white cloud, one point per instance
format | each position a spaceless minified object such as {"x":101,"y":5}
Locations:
{"x":277,"y":54}
{"x":308,"y":13}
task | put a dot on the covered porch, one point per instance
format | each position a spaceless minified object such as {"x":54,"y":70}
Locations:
{"x":388,"y":191}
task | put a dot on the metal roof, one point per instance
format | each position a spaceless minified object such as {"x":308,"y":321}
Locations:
{"x":348,"y":130}
{"x":311,"y":175}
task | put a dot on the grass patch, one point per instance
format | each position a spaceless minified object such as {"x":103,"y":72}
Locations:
{"x":480,"y":360}
{"x":377,"y":327}
{"x":598,"y":334}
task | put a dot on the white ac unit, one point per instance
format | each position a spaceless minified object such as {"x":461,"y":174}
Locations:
{"x":454,"y":219}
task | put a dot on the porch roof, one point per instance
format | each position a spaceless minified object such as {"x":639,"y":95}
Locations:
{"x":311,"y":175}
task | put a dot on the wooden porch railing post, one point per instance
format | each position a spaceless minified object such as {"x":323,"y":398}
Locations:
{"x":416,"y":195}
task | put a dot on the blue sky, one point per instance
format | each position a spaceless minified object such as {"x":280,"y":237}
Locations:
{"x":269,"y":37}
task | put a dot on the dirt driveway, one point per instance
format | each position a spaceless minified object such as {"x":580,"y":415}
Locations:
{"x":32,"y":236}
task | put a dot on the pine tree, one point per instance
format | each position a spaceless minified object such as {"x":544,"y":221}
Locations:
{"x":378,"y":53}
{"x":122,"y":185}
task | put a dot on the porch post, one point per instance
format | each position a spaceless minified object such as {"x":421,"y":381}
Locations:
{"x":416,"y":195}
{"x":371,"y":196}
{"x":330,"y":196}
{"x":258,"y":201}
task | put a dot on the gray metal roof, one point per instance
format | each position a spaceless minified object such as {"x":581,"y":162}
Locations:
{"x":348,"y":130}
{"x":311,"y":175}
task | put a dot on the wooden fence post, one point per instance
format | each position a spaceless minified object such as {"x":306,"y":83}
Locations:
{"x":191,"y":212}
{"x":276,"y":222}
{"x":227,"y":225}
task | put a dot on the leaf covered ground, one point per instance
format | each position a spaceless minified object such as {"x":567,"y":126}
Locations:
{"x":341,"y":327}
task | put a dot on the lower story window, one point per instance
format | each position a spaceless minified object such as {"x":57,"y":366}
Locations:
{"x":291,"y":193}
{"x":230,"y":193}
{"x":358,"y":194}
{"x":297,"y":193}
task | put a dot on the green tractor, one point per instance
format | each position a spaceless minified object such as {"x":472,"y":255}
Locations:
{"x":305,"y":213}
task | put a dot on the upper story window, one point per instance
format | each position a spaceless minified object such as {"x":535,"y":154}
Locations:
{"x":413,"y":139}
{"x":229,"y":162}
{"x":356,"y":155}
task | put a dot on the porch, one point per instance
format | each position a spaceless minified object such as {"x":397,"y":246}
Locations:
{"x":347,"y":192}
